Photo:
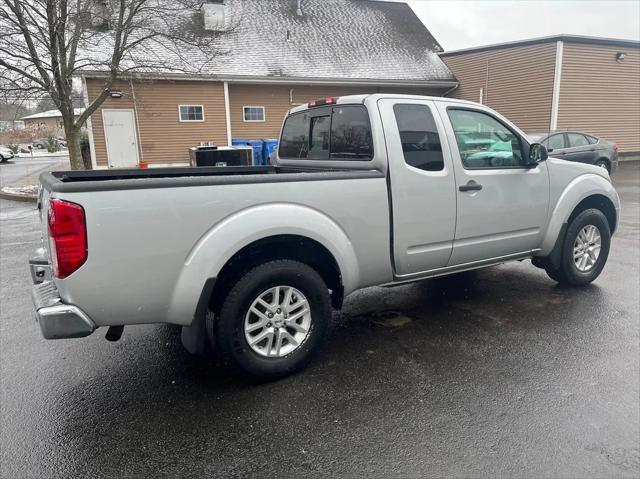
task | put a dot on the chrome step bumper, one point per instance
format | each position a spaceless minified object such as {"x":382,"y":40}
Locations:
{"x":56,"y":319}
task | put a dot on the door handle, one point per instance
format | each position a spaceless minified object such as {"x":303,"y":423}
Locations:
{"x":471,"y":186}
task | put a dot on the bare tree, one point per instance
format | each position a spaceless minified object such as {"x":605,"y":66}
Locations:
{"x":44,"y":44}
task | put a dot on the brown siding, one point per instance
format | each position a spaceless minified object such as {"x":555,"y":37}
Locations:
{"x":275,"y":99}
{"x":517,"y":81}
{"x":599,"y":95}
{"x":163,"y":138}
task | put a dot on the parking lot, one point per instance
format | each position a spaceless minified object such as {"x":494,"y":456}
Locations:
{"x":498,"y":372}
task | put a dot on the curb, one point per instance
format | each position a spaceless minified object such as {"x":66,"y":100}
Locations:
{"x":14,"y":197}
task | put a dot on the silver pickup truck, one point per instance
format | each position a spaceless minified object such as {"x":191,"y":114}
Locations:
{"x":365,"y":190}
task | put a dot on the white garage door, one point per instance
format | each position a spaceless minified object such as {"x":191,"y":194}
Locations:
{"x":120,"y":137}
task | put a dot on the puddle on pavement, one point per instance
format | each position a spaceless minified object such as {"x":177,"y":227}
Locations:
{"x":390,"y":319}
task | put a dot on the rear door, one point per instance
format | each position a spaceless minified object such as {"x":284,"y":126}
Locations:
{"x":422,"y":185}
{"x":502,"y":202}
{"x":579,"y":149}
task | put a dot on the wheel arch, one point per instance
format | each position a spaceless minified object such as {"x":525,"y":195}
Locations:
{"x":277,"y":225}
{"x":599,"y":202}
{"x":284,"y":246}
{"x":583,"y":192}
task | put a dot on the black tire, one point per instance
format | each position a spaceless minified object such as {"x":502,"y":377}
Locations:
{"x":231,"y":343}
{"x":602,"y":163}
{"x":568,"y":274}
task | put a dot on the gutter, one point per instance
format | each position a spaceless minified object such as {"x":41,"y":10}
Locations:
{"x":451,"y":89}
{"x":279,"y":80}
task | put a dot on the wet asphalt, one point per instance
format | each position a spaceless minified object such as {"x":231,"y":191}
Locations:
{"x":495,"y":373}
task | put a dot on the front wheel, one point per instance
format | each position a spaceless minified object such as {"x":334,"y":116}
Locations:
{"x":585,"y":249}
{"x":273,"y":320}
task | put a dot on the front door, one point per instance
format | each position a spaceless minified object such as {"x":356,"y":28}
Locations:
{"x":502,"y":202}
{"x":120,"y":137}
{"x":422,"y":185}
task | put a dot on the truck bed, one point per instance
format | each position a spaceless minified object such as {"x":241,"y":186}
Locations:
{"x":128,"y":179}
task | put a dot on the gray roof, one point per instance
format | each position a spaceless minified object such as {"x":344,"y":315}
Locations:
{"x":553,"y":38}
{"x":350,"y":40}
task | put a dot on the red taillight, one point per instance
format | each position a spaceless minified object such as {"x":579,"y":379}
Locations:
{"x":68,"y":237}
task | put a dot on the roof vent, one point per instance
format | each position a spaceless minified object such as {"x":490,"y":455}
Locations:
{"x":213,"y":15}
{"x":99,"y":14}
{"x":299,"y":8}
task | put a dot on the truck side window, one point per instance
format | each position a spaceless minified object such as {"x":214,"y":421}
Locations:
{"x":484,"y":142}
{"x":419,"y":136}
{"x":350,"y":133}
{"x":295,"y":137}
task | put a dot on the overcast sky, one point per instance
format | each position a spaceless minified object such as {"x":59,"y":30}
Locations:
{"x":461,"y":24}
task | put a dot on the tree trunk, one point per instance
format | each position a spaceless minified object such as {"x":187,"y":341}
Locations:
{"x":73,"y":145}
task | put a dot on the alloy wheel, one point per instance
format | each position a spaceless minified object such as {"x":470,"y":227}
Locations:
{"x":278,"y":321}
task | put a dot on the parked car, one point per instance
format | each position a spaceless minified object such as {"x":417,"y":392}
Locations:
{"x":40,"y":144}
{"x":366,"y":190}
{"x":582,"y":147}
{"x":5,"y":154}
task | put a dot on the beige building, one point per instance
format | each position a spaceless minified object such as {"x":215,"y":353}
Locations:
{"x":276,"y":57}
{"x":50,"y":120}
{"x":562,"y":82}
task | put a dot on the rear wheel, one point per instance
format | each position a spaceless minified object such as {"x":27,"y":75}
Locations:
{"x":585,"y":249}
{"x":603,"y":164}
{"x":273,"y":320}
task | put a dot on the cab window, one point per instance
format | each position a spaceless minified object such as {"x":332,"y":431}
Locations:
{"x":484,"y":142}
{"x":419,"y":136}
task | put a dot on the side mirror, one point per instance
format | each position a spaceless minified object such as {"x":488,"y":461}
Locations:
{"x":537,"y":153}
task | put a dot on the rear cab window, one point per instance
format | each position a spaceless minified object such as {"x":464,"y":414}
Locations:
{"x":338,"y":132}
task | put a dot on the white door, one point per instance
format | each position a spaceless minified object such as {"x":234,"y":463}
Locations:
{"x":120,"y":137}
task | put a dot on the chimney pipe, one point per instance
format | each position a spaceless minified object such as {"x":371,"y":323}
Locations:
{"x":299,"y":10}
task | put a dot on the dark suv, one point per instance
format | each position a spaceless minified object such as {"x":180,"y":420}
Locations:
{"x":576,"y":146}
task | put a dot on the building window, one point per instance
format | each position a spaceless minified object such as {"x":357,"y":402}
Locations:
{"x":253,"y":113}
{"x":191,"y":112}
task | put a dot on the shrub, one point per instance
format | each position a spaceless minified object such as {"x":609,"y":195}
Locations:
{"x":53,"y":144}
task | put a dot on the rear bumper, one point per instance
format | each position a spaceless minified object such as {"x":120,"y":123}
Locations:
{"x":57,"y":320}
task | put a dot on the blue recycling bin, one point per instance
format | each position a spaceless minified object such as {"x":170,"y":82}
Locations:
{"x":257,"y":146}
{"x":270,"y":146}
{"x":239,"y":142}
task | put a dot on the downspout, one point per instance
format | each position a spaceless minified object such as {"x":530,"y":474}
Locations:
{"x":486,"y":86}
{"x":135,"y":114}
{"x":92,"y":146}
{"x":227,"y":113}
{"x":557,"y":77}
{"x":451,"y":89}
